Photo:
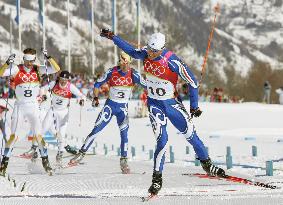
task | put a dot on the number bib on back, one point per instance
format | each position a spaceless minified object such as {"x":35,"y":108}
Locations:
{"x":120,"y":94}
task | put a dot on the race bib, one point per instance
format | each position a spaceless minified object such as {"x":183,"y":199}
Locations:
{"x":27,"y":92}
{"x":120,"y":94}
{"x":59,"y":102}
{"x":159,"y":89}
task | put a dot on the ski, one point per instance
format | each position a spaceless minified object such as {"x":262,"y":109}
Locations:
{"x":72,"y":155}
{"x":24,"y":156}
{"x":138,"y":173}
{"x":235,"y":179}
{"x":149,"y":197}
{"x":69,"y":165}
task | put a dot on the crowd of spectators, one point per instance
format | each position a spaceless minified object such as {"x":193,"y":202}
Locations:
{"x":218,"y":95}
{"x":205,"y":95}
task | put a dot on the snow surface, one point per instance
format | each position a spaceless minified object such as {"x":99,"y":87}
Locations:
{"x":99,"y":180}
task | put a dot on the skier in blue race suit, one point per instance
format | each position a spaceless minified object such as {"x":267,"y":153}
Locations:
{"x":121,"y":80}
{"x":162,"y":68}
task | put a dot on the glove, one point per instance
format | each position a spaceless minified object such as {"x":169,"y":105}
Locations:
{"x":107,"y":33}
{"x":44,"y":98}
{"x":45,"y":54}
{"x":81,"y":102}
{"x":195,"y":112}
{"x":95,"y":102}
{"x":11,"y":59}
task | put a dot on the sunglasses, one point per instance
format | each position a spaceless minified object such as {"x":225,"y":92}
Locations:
{"x":64,"y":79}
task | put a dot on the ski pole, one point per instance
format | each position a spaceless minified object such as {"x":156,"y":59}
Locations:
{"x":216,"y":10}
{"x":4,"y":138}
{"x":7,"y":103}
{"x":80,"y":123}
{"x":50,"y":94}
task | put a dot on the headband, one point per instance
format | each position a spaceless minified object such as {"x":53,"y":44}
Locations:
{"x":29,"y":57}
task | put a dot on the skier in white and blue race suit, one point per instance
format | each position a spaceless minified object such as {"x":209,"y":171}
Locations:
{"x":121,"y":80}
{"x":162,"y":68}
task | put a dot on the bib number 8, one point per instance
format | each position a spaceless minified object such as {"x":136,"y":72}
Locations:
{"x":28,"y":93}
{"x":159,"y":91}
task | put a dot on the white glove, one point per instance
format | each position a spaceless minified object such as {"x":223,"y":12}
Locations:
{"x":11,"y":59}
{"x":45,"y":53}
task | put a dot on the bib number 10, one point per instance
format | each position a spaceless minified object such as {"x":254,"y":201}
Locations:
{"x":159,"y":91}
{"x":28,"y":93}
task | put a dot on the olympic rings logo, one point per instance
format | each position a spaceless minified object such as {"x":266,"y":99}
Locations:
{"x":154,"y":69}
{"x":61,"y":92}
{"x":28,"y":77}
{"x":122,"y":80}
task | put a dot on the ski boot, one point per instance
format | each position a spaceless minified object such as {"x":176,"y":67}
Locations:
{"x":46,"y":165}
{"x":4,"y":165}
{"x":59,"y":158}
{"x":211,"y":169}
{"x":31,"y":153}
{"x":156,"y":183}
{"x":70,"y":149}
{"x":77,"y":158}
{"x":124,"y":165}
{"x":34,"y":155}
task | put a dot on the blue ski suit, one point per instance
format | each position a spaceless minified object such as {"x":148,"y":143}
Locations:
{"x":161,"y":78}
{"x":121,"y":84}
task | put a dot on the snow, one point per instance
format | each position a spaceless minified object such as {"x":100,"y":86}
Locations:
{"x":99,"y":181}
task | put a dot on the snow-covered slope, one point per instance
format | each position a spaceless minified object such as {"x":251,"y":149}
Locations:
{"x":99,"y":180}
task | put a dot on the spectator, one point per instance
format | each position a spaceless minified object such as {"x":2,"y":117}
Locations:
{"x":5,"y":93}
{"x":143,"y":98}
{"x":279,"y":91}
{"x":266,"y":90}
{"x":220,"y":95}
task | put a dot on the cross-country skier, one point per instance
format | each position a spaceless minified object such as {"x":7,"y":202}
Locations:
{"x":162,"y":68}
{"x":27,"y":81}
{"x":57,"y":116}
{"x":121,"y":80}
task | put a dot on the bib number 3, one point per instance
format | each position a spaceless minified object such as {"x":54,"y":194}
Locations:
{"x":28,"y":93}
{"x":121,"y":95}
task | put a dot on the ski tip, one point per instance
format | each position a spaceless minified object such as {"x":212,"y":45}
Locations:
{"x":70,"y":164}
